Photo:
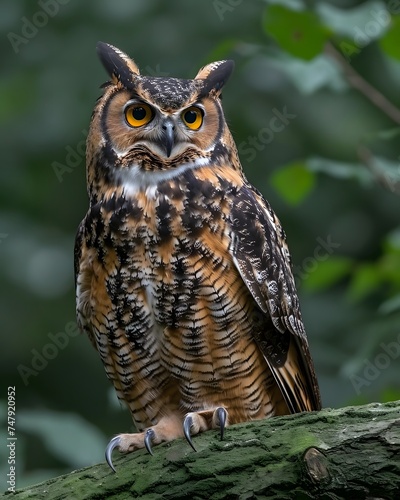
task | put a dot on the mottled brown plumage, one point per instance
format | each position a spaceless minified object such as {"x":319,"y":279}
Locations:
{"x":183,"y":274}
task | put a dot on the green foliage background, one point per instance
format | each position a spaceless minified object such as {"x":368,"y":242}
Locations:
{"x":332,"y":174}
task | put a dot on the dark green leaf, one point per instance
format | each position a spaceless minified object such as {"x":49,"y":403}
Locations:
{"x":297,"y":32}
{"x":390,"y":42}
{"x":293,"y":182}
{"x":366,"y":279}
{"x":327,"y":272}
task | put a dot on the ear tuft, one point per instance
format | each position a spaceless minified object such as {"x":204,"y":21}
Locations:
{"x":214,"y":76}
{"x":117,"y":64}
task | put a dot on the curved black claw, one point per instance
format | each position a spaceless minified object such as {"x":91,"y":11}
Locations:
{"x":221,"y":414}
{"x":187,"y":424}
{"x":114,"y":443}
{"x":148,"y":438}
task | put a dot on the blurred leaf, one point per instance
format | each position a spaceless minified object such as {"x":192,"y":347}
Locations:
{"x":365,"y":279}
{"x":390,"y":42}
{"x":386,"y":171}
{"x":14,"y":98}
{"x":389,"y":267}
{"x":298,"y":32}
{"x":291,"y":4}
{"x":353,"y":22}
{"x":392,"y":242}
{"x":340,"y":170}
{"x":390,"y":305}
{"x":390,"y":394}
{"x":293,"y":182}
{"x":64,"y":434}
{"x":221,"y":50}
{"x":327,"y":273}
{"x":384,"y":135}
{"x":311,"y":76}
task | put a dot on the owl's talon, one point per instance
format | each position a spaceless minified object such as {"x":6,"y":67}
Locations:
{"x":148,"y":438}
{"x":187,"y":424}
{"x":114,"y":443}
{"x":221,"y":414}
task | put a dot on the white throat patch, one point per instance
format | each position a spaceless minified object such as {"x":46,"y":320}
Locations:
{"x":134,"y":179}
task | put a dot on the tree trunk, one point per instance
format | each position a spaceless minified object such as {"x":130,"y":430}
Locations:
{"x":350,"y":453}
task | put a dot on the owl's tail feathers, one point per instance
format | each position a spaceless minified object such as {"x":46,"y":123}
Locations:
{"x":296,"y":378}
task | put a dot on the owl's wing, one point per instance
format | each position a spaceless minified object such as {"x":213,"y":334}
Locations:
{"x":82,"y":283}
{"x":78,"y":249}
{"x":260,"y":253}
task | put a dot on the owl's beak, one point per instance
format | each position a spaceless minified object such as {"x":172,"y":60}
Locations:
{"x":168,"y":137}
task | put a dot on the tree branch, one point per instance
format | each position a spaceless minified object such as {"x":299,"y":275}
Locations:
{"x":346,"y":453}
{"x":359,"y":83}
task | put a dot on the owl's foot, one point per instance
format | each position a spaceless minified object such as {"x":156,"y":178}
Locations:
{"x":196,"y":422}
{"x":167,"y":429}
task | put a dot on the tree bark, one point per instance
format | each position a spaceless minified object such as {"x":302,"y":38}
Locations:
{"x":350,"y":453}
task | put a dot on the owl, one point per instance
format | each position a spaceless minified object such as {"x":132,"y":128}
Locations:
{"x":183,"y":274}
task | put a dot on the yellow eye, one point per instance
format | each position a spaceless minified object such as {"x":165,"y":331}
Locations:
{"x":138,"y":114}
{"x":193,"y":117}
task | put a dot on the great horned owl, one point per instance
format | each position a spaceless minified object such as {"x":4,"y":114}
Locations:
{"x":183,"y":275}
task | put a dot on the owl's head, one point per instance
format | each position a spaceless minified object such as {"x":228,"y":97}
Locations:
{"x":145,"y":127}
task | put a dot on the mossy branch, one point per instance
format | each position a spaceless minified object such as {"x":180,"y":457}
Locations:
{"x":351,"y":452}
